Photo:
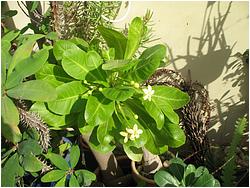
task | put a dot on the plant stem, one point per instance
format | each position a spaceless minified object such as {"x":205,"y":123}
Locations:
{"x":151,"y":163}
{"x":107,"y":163}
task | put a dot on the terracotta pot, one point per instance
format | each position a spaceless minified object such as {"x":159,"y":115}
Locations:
{"x":139,"y":178}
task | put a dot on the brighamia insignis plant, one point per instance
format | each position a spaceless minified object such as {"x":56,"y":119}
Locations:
{"x":102,"y":92}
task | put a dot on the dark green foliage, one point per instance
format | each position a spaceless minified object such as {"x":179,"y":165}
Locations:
{"x":228,"y":170}
{"x":178,"y":174}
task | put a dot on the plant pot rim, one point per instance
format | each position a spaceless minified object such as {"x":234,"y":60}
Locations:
{"x":139,"y":176}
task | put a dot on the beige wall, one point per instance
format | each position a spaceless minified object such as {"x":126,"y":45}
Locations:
{"x":174,"y":23}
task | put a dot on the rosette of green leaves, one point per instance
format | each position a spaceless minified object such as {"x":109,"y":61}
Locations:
{"x":95,"y":89}
{"x":15,"y":69}
{"x":22,"y":160}
{"x":77,"y":178}
{"x":178,"y":174}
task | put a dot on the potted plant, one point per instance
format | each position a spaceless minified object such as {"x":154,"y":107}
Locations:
{"x":103,"y":90}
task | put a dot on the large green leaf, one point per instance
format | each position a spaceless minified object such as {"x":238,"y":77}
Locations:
{"x":35,"y":90}
{"x":119,"y":65}
{"x":27,"y":67}
{"x":80,"y":43}
{"x":10,"y":171}
{"x":5,"y":59}
{"x":74,"y":155}
{"x":61,"y":46}
{"x":133,"y":153}
{"x":175,"y":97}
{"x":53,"y":120}
{"x":205,"y":180}
{"x":96,"y":145}
{"x":23,"y":52}
{"x":150,"y":61}
{"x":118,"y":93}
{"x":58,"y":161}
{"x":61,"y":182}
{"x":114,"y":40}
{"x":29,"y":146}
{"x":177,"y":168}
{"x":98,"y":109}
{"x":135,"y":33}
{"x":175,"y":136}
{"x":31,"y":163}
{"x":73,"y":181}
{"x":10,"y":120}
{"x":53,"y":175}
{"x":155,"y":112}
{"x":189,"y":175}
{"x":54,"y":74}
{"x":103,"y":132}
{"x":85,"y":177}
{"x":10,"y":36}
{"x":68,"y":98}
{"x":78,"y":63}
{"x":164,"y":179}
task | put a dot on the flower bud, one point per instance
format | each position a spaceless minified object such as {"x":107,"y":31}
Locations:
{"x":132,"y":83}
{"x":100,"y":89}
{"x":136,"y":116}
{"x":136,"y":85}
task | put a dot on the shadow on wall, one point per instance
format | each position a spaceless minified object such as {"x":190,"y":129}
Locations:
{"x":211,"y":60}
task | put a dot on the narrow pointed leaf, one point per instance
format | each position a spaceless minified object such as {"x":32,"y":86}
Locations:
{"x":27,"y":67}
{"x":74,"y":155}
{"x":53,"y":175}
{"x":35,"y":90}
{"x":10,"y":120}
{"x":114,"y":39}
{"x":135,"y":33}
{"x":58,"y":161}
{"x":73,"y":181}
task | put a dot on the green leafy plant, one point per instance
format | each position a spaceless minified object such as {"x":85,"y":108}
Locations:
{"x":15,"y":86}
{"x":23,"y":160}
{"x":178,"y":174}
{"x":229,"y":168}
{"x":106,"y":94}
{"x":66,"y":169}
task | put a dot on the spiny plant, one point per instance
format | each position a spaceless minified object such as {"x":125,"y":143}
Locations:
{"x":228,"y":170}
{"x":80,"y":19}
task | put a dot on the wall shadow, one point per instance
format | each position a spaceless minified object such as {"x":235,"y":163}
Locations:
{"x":212,"y":61}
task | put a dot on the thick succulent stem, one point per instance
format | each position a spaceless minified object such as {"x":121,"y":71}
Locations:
{"x":107,"y":163}
{"x":151,"y":163}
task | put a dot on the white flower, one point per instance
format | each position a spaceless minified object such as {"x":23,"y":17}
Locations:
{"x":134,"y":133}
{"x":148,"y":93}
{"x":125,"y":134}
{"x":131,"y":134}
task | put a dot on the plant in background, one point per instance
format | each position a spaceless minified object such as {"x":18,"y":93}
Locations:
{"x":106,"y":97}
{"x":228,"y":170}
{"x":80,"y":19}
{"x":65,"y":174}
{"x":178,"y":174}
{"x":21,"y":152}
